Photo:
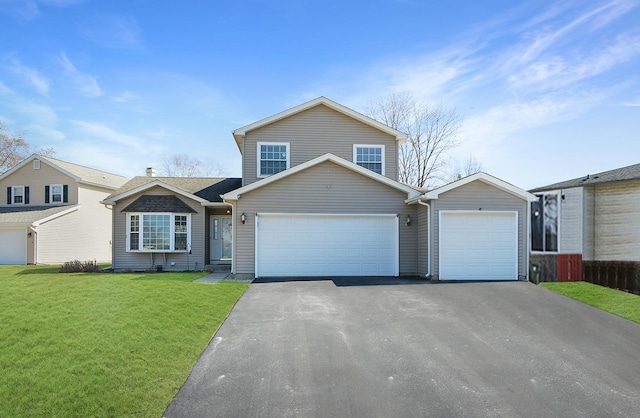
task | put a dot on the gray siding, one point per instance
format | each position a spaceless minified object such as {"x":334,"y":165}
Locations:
{"x":571,"y":219}
{"x":325,"y":188}
{"x":123,"y":260}
{"x":588,"y":223}
{"x":315,"y":132}
{"x":423,"y":239}
{"x":617,"y":222}
{"x":473,"y":196}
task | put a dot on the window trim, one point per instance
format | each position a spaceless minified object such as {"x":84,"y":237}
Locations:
{"x":382,"y":152}
{"x":558,"y":194}
{"x":259,"y":160}
{"x":51,"y":186}
{"x":13,"y":195}
{"x":172,"y":232}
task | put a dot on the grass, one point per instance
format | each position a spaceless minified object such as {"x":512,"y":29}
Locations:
{"x":102,"y":345}
{"x":626,"y":305}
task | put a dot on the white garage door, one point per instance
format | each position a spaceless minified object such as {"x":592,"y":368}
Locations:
{"x":478,"y":246}
{"x":13,"y":246}
{"x":326,"y":245}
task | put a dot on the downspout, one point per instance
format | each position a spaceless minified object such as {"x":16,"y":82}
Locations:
{"x":428,"y":206}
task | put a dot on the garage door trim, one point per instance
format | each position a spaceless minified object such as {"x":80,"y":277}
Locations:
{"x":396,"y":244}
{"x":516,"y":230}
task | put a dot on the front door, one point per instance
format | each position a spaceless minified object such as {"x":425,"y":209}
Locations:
{"x":220,"y":238}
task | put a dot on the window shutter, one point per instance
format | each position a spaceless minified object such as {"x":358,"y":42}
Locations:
{"x":26,"y":195}
{"x":8,"y":195}
{"x":46,"y":194}
{"x":65,"y":193}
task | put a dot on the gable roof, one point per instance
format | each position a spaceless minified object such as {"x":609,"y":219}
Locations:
{"x":202,"y":189}
{"x":485,"y":178}
{"x":158,"y":203}
{"x":79,"y":173}
{"x":631,"y":172}
{"x":235,"y":194}
{"x":240,"y":133}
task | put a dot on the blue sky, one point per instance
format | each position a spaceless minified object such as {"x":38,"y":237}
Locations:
{"x":549,"y":90}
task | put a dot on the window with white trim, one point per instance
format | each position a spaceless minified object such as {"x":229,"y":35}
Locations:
{"x":273,"y":157}
{"x":158,"y":232}
{"x":544,"y":222}
{"x":17,"y":195}
{"x":55,"y":193}
{"x":369,"y":156}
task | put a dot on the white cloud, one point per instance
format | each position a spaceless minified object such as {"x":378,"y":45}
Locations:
{"x":100,"y":131}
{"x":29,"y":75}
{"x":38,"y":113}
{"x":118,"y":32}
{"x":86,"y":84}
{"x":125,"y":97}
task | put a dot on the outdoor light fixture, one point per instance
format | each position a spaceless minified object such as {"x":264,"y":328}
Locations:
{"x":536,"y":213}
{"x":408,"y":220}
{"x":243,"y":218}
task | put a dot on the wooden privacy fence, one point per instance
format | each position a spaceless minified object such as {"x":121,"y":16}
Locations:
{"x":621,"y":275}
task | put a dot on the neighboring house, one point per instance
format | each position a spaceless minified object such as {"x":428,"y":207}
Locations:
{"x":319,"y":196}
{"x":51,"y":212}
{"x":591,"y":218}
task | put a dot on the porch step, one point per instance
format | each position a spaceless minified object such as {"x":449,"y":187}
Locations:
{"x":218,"y":268}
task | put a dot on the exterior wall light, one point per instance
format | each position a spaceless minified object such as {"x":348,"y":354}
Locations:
{"x":408,"y":220}
{"x":243,"y":218}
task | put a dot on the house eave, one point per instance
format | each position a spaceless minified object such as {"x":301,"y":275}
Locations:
{"x":485,"y":178}
{"x":147,"y":186}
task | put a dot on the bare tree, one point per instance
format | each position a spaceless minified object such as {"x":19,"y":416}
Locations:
{"x":14,"y":148}
{"x":431,"y":133}
{"x":182,"y":165}
{"x":468,"y":167}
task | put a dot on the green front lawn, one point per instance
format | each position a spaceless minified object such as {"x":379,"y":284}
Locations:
{"x":102,"y":345}
{"x":626,"y":305}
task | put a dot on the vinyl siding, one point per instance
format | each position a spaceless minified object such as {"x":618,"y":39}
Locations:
{"x":84,"y":234}
{"x":37,"y":180}
{"x":571,"y":215}
{"x":325,"y":188}
{"x":315,"y":132}
{"x":617,"y":226}
{"x":588,"y":223}
{"x":423,"y":239}
{"x":123,"y":260}
{"x":474,"y":196}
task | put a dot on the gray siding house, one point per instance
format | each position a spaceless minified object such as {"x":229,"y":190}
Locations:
{"x":594,"y":218}
{"x":320,"y":196}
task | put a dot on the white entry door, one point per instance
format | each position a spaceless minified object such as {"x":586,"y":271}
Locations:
{"x":478,"y":245}
{"x":327,"y":245}
{"x":221,"y":238}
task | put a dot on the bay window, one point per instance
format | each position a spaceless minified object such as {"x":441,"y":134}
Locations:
{"x":158,"y":232}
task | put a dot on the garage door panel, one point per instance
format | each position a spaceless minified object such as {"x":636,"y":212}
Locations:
{"x":13,"y":246}
{"x":478,"y":246}
{"x":313,"y":245}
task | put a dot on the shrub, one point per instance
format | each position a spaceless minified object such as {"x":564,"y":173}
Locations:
{"x":79,"y":267}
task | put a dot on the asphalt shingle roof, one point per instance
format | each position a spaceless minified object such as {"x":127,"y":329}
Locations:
{"x":158,"y":203}
{"x":208,"y":188}
{"x":87,"y":174}
{"x":631,"y":172}
{"x":28,"y":214}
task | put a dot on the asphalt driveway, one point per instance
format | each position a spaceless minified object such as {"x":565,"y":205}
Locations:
{"x":323,"y":348}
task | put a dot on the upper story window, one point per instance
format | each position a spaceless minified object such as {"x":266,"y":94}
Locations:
{"x":544,"y":223}
{"x":56,"y":193}
{"x":369,"y":156}
{"x":273,"y":157}
{"x":158,"y":232}
{"x":17,"y":195}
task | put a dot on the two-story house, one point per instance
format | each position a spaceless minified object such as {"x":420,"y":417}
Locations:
{"x":52,"y":212}
{"x":319,"y":196}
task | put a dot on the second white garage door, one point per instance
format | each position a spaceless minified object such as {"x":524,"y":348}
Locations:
{"x":13,"y":246}
{"x":326,"y":245}
{"x":478,"y":245}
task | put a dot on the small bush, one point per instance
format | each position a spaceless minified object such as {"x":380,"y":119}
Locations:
{"x":79,"y":267}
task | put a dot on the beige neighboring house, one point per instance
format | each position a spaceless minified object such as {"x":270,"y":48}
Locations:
{"x":320,"y":196}
{"x":51,"y":212}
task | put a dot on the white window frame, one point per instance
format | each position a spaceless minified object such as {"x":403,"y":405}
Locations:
{"x":36,"y":164}
{"x":259,"y":160}
{"x":51,"y":194}
{"x":13,"y":195}
{"x":172,"y":232}
{"x":382,"y":152}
